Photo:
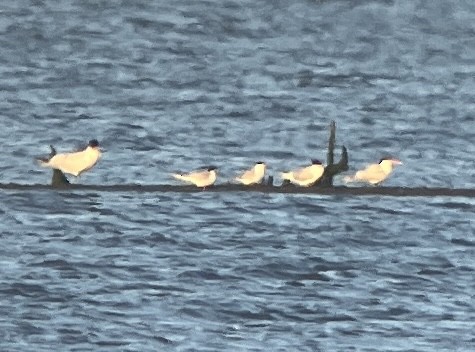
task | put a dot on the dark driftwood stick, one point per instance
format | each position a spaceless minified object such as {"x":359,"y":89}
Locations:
{"x":333,"y":169}
{"x":58,"y":180}
{"x":331,"y":143}
{"x":270,"y":181}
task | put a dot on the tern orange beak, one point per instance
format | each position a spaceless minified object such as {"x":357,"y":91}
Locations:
{"x":396,"y":162}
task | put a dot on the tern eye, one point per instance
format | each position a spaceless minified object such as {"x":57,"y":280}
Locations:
{"x":93,"y":143}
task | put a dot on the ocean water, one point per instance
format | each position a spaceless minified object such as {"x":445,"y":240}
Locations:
{"x":172,"y":86}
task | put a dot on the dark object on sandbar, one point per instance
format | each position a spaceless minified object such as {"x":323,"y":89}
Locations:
{"x":333,"y":169}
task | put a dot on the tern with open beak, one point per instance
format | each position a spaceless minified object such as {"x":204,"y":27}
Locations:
{"x":253,"y":175}
{"x":74,"y":163}
{"x":375,"y":174}
{"x":306,"y":176}
{"x":200,"y":178}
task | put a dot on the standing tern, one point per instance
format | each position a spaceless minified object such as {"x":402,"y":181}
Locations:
{"x":306,"y":176}
{"x":253,"y":175}
{"x":375,"y":174}
{"x":74,"y":163}
{"x":200,"y":178}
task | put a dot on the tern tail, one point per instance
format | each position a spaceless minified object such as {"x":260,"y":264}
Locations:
{"x":180,"y":177}
{"x":43,"y":161}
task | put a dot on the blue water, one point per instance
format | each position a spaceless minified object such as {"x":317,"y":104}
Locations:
{"x":175,"y":86}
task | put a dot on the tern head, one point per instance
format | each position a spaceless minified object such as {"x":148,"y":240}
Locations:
{"x":260,"y":168}
{"x":211,"y":168}
{"x":260,"y":165}
{"x":316,"y":162}
{"x":393,"y":161}
{"x":93,"y":143}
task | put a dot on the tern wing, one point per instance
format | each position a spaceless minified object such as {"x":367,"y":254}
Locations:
{"x":247,"y":176}
{"x":303,"y":174}
{"x":72,"y":163}
{"x":372,"y":173}
{"x":194,"y":177}
{"x":199,"y":175}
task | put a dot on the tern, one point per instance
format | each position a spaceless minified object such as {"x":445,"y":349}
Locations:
{"x":306,"y":176}
{"x":253,"y":175}
{"x":74,"y":163}
{"x":375,"y":174}
{"x":200,"y":178}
